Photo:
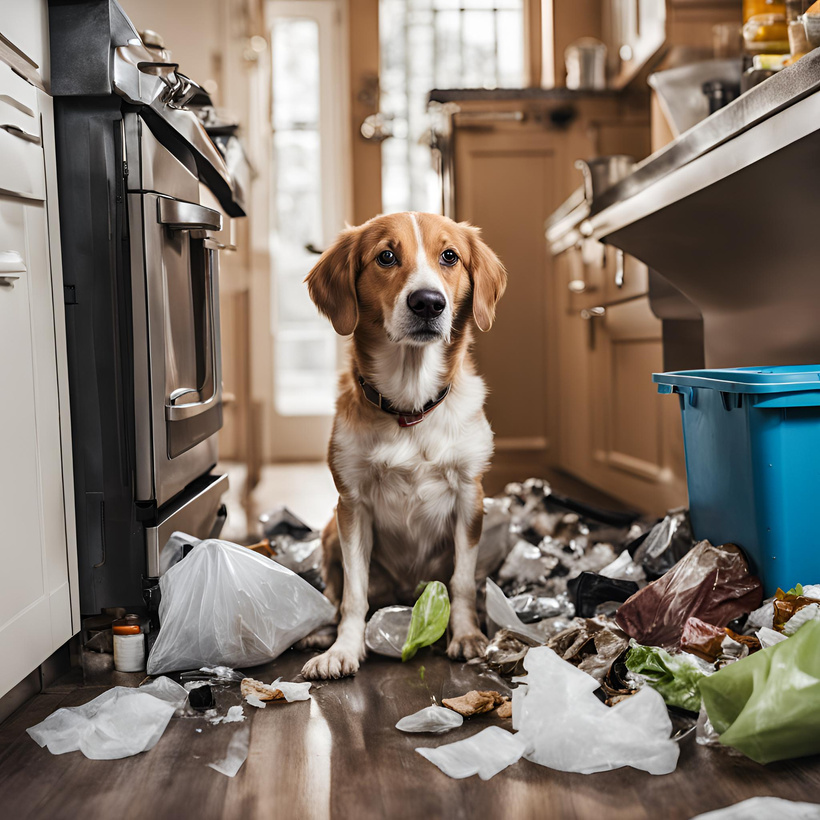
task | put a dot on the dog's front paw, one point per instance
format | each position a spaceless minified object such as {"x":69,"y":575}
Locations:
{"x":466,"y":647}
{"x":335,"y":663}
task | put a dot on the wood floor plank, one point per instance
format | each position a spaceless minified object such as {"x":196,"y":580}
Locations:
{"x":339,"y":756}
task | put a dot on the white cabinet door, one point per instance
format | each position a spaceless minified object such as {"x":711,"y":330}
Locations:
{"x":35,"y":604}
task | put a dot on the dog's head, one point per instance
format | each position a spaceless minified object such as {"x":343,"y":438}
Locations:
{"x":409,"y":274}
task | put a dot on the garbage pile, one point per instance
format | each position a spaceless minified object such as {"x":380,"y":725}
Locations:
{"x":622,"y":636}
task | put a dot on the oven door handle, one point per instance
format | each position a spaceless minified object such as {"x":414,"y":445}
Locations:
{"x":179,"y":215}
{"x":177,"y":409}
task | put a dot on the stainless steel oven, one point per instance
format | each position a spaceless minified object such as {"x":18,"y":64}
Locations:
{"x":141,"y":267}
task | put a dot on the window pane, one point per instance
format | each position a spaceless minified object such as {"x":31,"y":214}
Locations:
{"x":428,"y":44}
{"x":304,"y":343}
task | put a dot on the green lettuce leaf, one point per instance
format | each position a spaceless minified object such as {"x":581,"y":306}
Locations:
{"x":429,"y":620}
{"x":675,"y":677}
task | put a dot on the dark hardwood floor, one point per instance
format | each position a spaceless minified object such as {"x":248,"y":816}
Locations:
{"x":340,"y":756}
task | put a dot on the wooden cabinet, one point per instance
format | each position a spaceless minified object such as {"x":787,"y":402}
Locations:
{"x":38,"y":594}
{"x":613,"y":429}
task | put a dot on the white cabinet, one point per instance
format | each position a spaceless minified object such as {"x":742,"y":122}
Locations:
{"x":38,"y":598}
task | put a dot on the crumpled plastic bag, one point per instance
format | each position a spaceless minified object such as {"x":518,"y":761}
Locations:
{"x":666,"y":543}
{"x":226,"y":605}
{"x":768,"y":704}
{"x":293,"y":544}
{"x":386,"y":631}
{"x":710,"y":583}
{"x":590,"y":591}
{"x":435,"y":719}
{"x":564,"y":726}
{"x":623,"y":568}
{"x":711,"y":643}
{"x":497,"y":536}
{"x":484,"y":754}
{"x":675,"y":677}
{"x":764,"y":808}
{"x":501,"y":613}
{"x":526,"y":564}
{"x":121,"y":722}
{"x":429,"y":619}
{"x":531,"y":608}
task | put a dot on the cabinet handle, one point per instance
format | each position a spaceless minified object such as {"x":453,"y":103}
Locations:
{"x":11,"y":266}
{"x":619,"y":268}
{"x":18,"y":132}
{"x":577,"y":286}
{"x":593,"y":312}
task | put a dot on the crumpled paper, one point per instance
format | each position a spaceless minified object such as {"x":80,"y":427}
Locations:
{"x":484,"y":754}
{"x":591,"y":644}
{"x":236,"y":753}
{"x":121,"y":722}
{"x":564,"y":726}
{"x":711,"y":583}
{"x":435,"y":719}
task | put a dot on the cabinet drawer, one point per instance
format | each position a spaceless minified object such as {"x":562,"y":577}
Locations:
{"x":24,"y":24}
{"x":18,"y":101}
{"x":22,"y":172}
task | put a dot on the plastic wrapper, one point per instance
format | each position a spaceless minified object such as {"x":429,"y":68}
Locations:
{"x":564,"y":726}
{"x":526,"y":564}
{"x":386,"y":631}
{"x":764,"y":808}
{"x":675,"y":677}
{"x":434,"y":719}
{"x":485,"y":754}
{"x":710,"y":642}
{"x":590,"y":591}
{"x":429,"y":619}
{"x":119,"y":723}
{"x":623,"y":568}
{"x":501,"y":613}
{"x":786,"y":605}
{"x":497,"y":536}
{"x":710,"y":583}
{"x":665,"y":544}
{"x":236,"y":753}
{"x":768,"y":637}
{"x":760,"y":617}
{"x":506,"y":651}
{"x":225,"y":605}
{"x":768,"y":705}
{"x":531,"y":608}
{"x":293,"y":544}
{"x":590,"y":644}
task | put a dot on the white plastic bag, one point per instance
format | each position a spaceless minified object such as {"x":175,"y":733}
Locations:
{"x":118,"y":723}
{"x":564,"y":726}
{"x":226,"y":605}
{"x":484,"y":754}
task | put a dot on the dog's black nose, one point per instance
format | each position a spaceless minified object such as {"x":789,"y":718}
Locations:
{"x":427,"y":303}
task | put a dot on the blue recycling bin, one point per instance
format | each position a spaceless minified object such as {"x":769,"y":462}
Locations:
{"x":752,"y":440}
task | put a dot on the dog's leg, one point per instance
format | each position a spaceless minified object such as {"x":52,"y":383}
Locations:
{"x":467,"y":640}
{"x":356,"y":537}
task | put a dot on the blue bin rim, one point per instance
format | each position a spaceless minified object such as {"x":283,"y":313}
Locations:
{"x":788,"y":379}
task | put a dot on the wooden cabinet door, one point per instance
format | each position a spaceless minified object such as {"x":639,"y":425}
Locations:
{"x":35,"y":605}
{"x":636,"y":440}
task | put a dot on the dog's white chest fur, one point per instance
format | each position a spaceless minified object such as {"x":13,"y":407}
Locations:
{"x":415,"y":481}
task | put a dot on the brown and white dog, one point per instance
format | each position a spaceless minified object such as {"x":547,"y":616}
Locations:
{"x":410,"y":440}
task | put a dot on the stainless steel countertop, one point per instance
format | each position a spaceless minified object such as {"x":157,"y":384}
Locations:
{"x":760,"y":103}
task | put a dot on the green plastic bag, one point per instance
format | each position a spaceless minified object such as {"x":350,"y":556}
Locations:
{"x":768,"y":705}
{"x":675,"y":677}
{"x":431,"y":614}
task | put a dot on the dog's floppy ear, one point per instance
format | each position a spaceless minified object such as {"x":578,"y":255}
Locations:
{"x":332,"y":283}
{"x":488,"y":276}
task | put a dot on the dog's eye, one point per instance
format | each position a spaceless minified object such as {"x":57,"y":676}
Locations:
{"x":387,"y":259}
{"x":449,"y":258}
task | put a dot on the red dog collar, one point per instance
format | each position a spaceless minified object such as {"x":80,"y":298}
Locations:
{"x":405,"y":418}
